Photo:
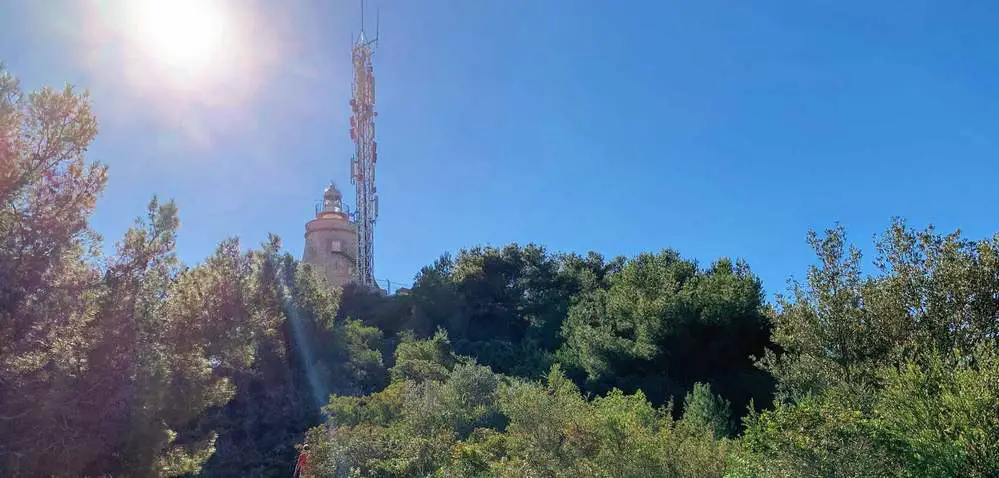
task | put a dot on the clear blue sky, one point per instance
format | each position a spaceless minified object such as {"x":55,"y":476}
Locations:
{"x":713,"y":127}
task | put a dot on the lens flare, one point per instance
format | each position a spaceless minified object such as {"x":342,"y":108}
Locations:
{"x":186,"y":36}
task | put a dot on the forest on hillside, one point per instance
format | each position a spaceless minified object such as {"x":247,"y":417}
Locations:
{"x":507,"y":361}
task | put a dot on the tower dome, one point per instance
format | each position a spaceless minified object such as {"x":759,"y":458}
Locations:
{"x":332,"y":199}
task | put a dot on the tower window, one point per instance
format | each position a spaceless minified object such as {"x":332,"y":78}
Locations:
{"x":336,"y":246}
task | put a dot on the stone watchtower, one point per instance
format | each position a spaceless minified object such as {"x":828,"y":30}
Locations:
{"x":331,"y":241}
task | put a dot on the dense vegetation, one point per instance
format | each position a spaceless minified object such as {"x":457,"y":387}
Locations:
{"x":511,"y":361}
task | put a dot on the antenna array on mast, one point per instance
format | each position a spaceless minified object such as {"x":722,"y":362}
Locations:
{"x":362,"y":165}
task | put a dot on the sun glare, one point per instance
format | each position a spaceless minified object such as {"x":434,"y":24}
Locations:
{"x":194,"y":65}
{"x":183,"y":35}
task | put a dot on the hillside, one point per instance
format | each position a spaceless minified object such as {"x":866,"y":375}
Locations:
{"x":512,"y":361}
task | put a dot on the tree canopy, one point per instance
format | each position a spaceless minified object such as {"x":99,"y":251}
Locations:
{"x":500,"y":361}
{"x":134,"y":364}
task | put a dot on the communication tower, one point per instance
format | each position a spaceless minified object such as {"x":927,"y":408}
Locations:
{"x":362,"y":165}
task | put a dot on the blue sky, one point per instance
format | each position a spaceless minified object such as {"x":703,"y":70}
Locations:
{"x":713,"y":127}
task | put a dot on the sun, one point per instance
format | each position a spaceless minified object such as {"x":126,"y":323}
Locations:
{"x":187,"y":36}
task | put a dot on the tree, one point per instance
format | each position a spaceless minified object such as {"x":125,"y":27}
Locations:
{"x":135,"y":364}
{"x":932,"y":294}
{"x":707,"y":412}
{"x":892,"y":374}
{"x":420,"y":360}
{"x":47,"y":192}
{"x":934,"y":417}
{"x":310,"y":355}
{"x":504,"y":306}
{"x":663,"y":324}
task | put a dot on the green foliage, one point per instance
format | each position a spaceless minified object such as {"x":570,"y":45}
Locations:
{"x":502,"y":362}
{"x":941,"y":414}
{"x":656,"y":323}
{"x":662,"y":324}
{"x":889,"y":375}
{"x":420,"y":360}
{"x":407,"y":428}
{"x":133,"y":364}
{"x":503,"y":306}
{"x":932,"y":292}
{"x":815,"y":437}
{"x":47,"y":190}
{"x":392,"y":315}
{"x":932,"y":420}
{"x":707,"y":412}
{"x":309,"y":355}
{"x":473,"y":422}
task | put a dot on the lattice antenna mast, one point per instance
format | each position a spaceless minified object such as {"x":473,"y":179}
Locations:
{"x":362,"y":165}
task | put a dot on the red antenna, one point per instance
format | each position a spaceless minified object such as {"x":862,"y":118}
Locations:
{"x":362,"y":165}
